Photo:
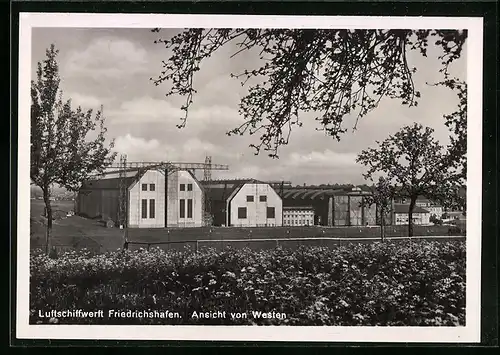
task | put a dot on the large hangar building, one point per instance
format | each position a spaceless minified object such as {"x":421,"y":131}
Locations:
{"x":333,"y":207}
{"x":147,"y":203}
{"x":243,"y":203}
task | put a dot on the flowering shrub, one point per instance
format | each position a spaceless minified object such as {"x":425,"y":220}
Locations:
{"x":381,"y":284}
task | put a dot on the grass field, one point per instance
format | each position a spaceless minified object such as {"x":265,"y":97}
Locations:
{"x":78,"y":232}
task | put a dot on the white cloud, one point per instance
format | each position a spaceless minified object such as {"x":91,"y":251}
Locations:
{"x":85,"y":101}
{"x":140,"y":149}
{"x":192,"y":150}
{"x":107,"y":58}
{"x":324,"y":159}
{"x":215,"y":114}
{"x":196,"y":146}
{"x":146,"y":109}
{"x":241,"y":172}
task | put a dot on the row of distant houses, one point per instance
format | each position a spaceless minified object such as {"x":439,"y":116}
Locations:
{"x":154,"y":200}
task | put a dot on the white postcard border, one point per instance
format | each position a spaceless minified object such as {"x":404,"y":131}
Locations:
{"x":470,"y":333}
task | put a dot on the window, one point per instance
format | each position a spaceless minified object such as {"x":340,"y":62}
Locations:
{"x":151,"y":187}
{"x":182,"y":208}
{"x":242,"y":212}
{"x":249,"y":198}
{"x":144,"y":208}
{"x":263,"y":198}
{"x":152,"y":208}
{"x":190,"y":208}
{"x":144,"y":187}
{"x":190,"y":187}
{"x":183,"y":187}
{"x":270,"y":212}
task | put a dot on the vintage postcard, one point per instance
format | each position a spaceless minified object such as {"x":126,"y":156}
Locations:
{"x":249,"y":178}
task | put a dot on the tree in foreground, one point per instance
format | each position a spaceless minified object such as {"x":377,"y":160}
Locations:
{"x":415,"y":164}
{"x":457,"y":148}
{"x":62,"y":149}
{"x":382,"y":195}
{"x":334,"y":73}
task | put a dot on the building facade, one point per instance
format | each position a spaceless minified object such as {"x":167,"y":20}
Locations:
{"x":432,"y":207}
{"x":420,"y":216}
{"x":185,"y":206}
{"x":146,"y":205}
{"x":254,"y":204}
{"x":435,"y":210}
{"x":152,"y":201}
{"x":298,"y":216}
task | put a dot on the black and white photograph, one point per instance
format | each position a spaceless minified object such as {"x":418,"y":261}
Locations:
{"x":314,"y":178}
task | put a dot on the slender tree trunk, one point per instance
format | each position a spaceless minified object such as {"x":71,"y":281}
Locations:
{"x":48,"y":209}
{"x":413,"y":201}
{"x":382,"y":224}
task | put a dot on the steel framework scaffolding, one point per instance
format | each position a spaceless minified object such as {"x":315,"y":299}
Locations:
{"x":207,"y":202}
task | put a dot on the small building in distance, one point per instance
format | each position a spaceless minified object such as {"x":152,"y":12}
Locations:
{"x":298,"y":216}
{"x":243,"y":203}
{"x":151,"y":200}
{"x":435,"y":209}
{"x":420,"y":215}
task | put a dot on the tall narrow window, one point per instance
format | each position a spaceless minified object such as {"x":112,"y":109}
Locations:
{"x":144,"y":208}
{"x":270,"y":212}
{"x":144,"y":187}
{"x":183,"y":187}
{"x":190,"y":208}
{"x":152,"y":187}
{"x":190,"y":187}
{"x":152,"y":208}
{"x":242,"y":212}
{"x":182,"y":208}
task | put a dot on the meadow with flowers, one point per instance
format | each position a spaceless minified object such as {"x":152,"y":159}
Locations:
{"x":386,"y":284}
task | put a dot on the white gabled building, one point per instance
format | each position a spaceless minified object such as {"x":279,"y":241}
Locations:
{"x":152,"y":200}
{"x":254,"y":204}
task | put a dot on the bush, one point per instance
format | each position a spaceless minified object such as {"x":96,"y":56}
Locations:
{"x":385,"y":284}
{"x":434,"y":220}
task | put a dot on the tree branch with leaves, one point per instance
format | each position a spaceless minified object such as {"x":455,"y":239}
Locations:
{"x":333,"y":73}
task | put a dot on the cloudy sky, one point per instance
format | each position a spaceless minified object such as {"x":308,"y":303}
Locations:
{"x":113,"y":67}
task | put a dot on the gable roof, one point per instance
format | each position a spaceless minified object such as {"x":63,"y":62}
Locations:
{"x":219,"y":190}
{"x":113,"y":183}
{"x":403,"y":208}
{"x":132,"y":176}
{"x":319,"y":193}
{"x":242,"y":180}
{"x":198,"y":182}
{"x":215,"y":192}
